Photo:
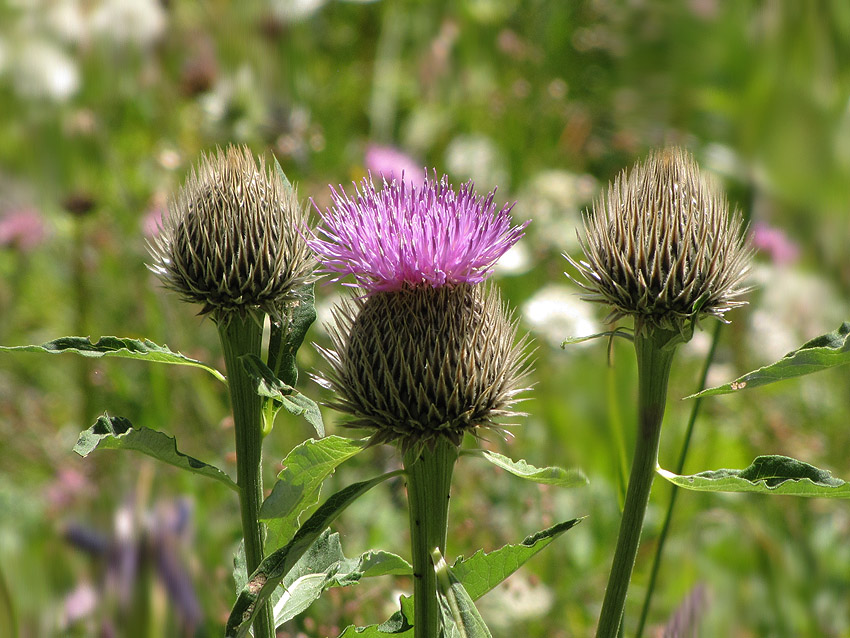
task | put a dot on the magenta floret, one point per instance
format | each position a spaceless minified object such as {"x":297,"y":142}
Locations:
{"x":409,"y":235}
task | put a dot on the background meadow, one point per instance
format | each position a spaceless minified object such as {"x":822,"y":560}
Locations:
{"x":105,"y":104}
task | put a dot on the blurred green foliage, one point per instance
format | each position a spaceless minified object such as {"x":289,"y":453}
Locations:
{"x":105,"y":104}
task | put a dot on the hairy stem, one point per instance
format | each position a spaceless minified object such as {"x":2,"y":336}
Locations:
{"x":654,"y":361}
{"x":428,"y":484}
{"x":241,"y":336}
{"x":680,"y":466}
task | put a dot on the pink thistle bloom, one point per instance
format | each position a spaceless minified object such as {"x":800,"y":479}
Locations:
{"x":23,"y":229}
{"x":775,"y":243}
{"x":389,"y":162}
{"x":411,"y":236}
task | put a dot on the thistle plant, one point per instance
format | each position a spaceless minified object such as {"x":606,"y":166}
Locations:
{"x":661,"y":248}
{"x":231,"y":241}
{"x":423,"y":354}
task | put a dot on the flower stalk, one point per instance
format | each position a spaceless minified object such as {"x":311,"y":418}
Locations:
{"x":654,"y":358}
{"x":429,"y":477}
{"x":661,"y":248}
{"x":241,"y":336}
{"x":680,"y":466}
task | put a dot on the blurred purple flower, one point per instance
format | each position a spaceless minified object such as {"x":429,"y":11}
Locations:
{"x":404,"y":235}
{"x":774,"y":243}
{"x":153,"y":538}
{"x":23,"y":229}
{"x":389,"y":162}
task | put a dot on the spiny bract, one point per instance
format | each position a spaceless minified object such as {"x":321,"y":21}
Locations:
{"x":231,"y":239}
{"x":421,"y":363}
{"x":662,"y":246}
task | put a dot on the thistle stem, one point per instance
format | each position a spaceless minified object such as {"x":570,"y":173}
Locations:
{"x":429,"y":480}
{"x":241,"y":336}
{"x":680,"y":466}
{"x":654,"y":363}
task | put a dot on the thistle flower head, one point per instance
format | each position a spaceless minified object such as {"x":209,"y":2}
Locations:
{"x":662,"y":247}
{"x":231,"y":238}
{"x":412,"y":235}
{"x":420,"y":363}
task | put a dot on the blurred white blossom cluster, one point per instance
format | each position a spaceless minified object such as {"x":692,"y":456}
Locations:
{"x":41,"y":41}
{"x":554,"y":199}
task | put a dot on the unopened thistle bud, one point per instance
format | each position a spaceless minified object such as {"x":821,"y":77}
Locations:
{"x":662,"y":247}
{"x":424,"y":352}
{"x":231,"y":239}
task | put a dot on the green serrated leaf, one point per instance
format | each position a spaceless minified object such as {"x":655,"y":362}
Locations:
{"x":545,"y":475}
{"x":274,"y":568}
{"x":400,"y":624}
{"x":458,"y":614}
{"x":767,"y":475}
{"x":478,"y":574}
{"x":116,"y":347}
{"x":826,"y":351}
{"x":286,"y":338}
{"x":482,"y":572}
{"x":117,"y":433}
{"x":278,"y":394}
{"x":297,"y":487}
{"x":324,"y":566}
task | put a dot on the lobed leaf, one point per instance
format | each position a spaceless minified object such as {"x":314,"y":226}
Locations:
{"x":478,"y":574}
{"x":116,"y":347}
{"x":304,"y":470}
{"x":324,"y":566}
{"x":274,"y":568}
{"x":772,"y":474}
{"x":117,"y":433}
{"x":278,"y":394}
{"x":826,"y":351}
{"x":284,"y":340}
{"x":458,"y":615}
{"x":400,"y":624}
{"x":545,"y":475}
{"x":481,"y":572}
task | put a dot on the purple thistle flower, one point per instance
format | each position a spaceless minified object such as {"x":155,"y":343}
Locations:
{"x":409,"y":236}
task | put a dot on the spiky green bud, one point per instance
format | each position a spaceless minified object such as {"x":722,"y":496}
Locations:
{"x":422,"y":363}
{"x":662,"y":247}
{"x":231,"y":240}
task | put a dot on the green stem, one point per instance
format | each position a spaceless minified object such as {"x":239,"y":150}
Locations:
{"x":429,"y":480}
{"x":680,"y":466}
{"x":8,"y":614}
{"x":241,"y":336}
{"x":654,"y":363}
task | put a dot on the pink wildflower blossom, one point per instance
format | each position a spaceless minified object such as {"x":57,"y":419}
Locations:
{"x":22,"y":228}
{"x":389,"y":162}
{"x":409,"y":236}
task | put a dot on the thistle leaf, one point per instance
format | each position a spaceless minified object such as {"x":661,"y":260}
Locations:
{"x":117,"y":433}
{"x":826,"y":351}
{"x":277,"y":395}
{"x":274,"y":568}
{"x":478,"y":574}
{"x":286,"y":337}
{"x":299,"y":483}
{"x":766,"y":475}
{"x":325,"y":566}
{"x":544,"y":475}
{"x":123,"y":348}
{"x":460,"y":618}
